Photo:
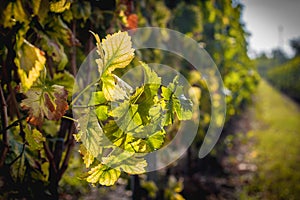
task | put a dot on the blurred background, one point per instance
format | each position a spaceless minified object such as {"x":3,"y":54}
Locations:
{"x":254,"y":43}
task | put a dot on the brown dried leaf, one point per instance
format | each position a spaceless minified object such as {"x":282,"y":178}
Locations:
{"x":49,"y":102}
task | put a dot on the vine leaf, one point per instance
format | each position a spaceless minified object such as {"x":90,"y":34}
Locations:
{"x":103,"y":174}
{"x":176,"y":103}
{"x":34,"y":138}
{"x":91,"y":134}
{"x":36,"y":6}
{"x":115,"y":51}
{"x":118,"y":126}
{"x":55,"y":49}
{"x":45,"y":101}
{"x":60,"y":6}
{"x":127,"y":116}
{"x":146,"y":95}
{"x":13,"y":12}
{"x":114,"y":88}
{"x":126,"y":161}
{"x":18,"y":168}
{"x":58,"y":31}
{"x":30,"y":61}
{"x":155,"y":141}
{"x":88,"y":158}
{"x":97,"y":98}
{"x":64,"y":79}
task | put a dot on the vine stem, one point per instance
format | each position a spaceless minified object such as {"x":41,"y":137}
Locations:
{"x":15,"y":123}
{"x":4,"y":119}
{"x":83,"y":91}
{"x":70,"y":118}
{"x":73,"y":53}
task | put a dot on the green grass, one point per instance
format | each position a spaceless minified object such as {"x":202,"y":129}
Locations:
{"x":276,"y":136}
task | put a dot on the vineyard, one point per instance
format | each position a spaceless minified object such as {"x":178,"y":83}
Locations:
{"x":77,"y":123}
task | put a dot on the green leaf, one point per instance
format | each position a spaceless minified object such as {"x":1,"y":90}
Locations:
{"x":126,"y":161}
{"x":54,"y":49}
{"x":102,"y":112}
{"x":114,"y":133}
{"x":97,"y":98}
{"x":155,"y":140}
{"x":58,"y":30}
{"x":127,"y":116}
{"x":18,"y":168}
{"x":34,"y":138}
{"x":150,"y":76}
{"x":183,"y":108}
{"x":81,"y":10}
{"x":128,"y":132}
{"x":104,"y":175}
{"x":59,"y":6}
{"x":6,"y":16}
{"x":146,"y":95}
{"x":91,"y":134}
{"x":134,"y":165}
{"x":176,"y":103}
{"x":64,"y":79}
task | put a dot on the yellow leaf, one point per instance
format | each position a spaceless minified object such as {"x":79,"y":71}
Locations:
{"x":115,"y":51}
{"x":88,"y":158}
{"x":34,"y":138}
{"x":114,"y":88}
{"x":104,"y":175}
{"x":60,"y":6}
{"x":30,"y":61}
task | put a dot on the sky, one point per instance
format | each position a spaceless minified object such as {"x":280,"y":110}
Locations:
{"x":263,"y":20}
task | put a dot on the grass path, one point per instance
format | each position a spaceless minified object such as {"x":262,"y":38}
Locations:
{"x":275,"y":150}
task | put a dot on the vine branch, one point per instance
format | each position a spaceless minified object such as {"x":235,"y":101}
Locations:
{"x":49,"y":156}
{"x":4,"y":120}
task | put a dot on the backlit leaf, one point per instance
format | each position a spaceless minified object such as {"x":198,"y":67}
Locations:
{"x":104,"y":175}
{"x":126,"y":161}
{"x":176,"y":103}
{"x":91,"y":133}
{"x":127,"y":115}
{"x":88,"y":158}
{"x":102,"y":112}
{"x":118,"y":52}
{"x":115,"y":51}
{"x":114,"y":88}
{"x":146,"y":95}
{"x":97,"y":98}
